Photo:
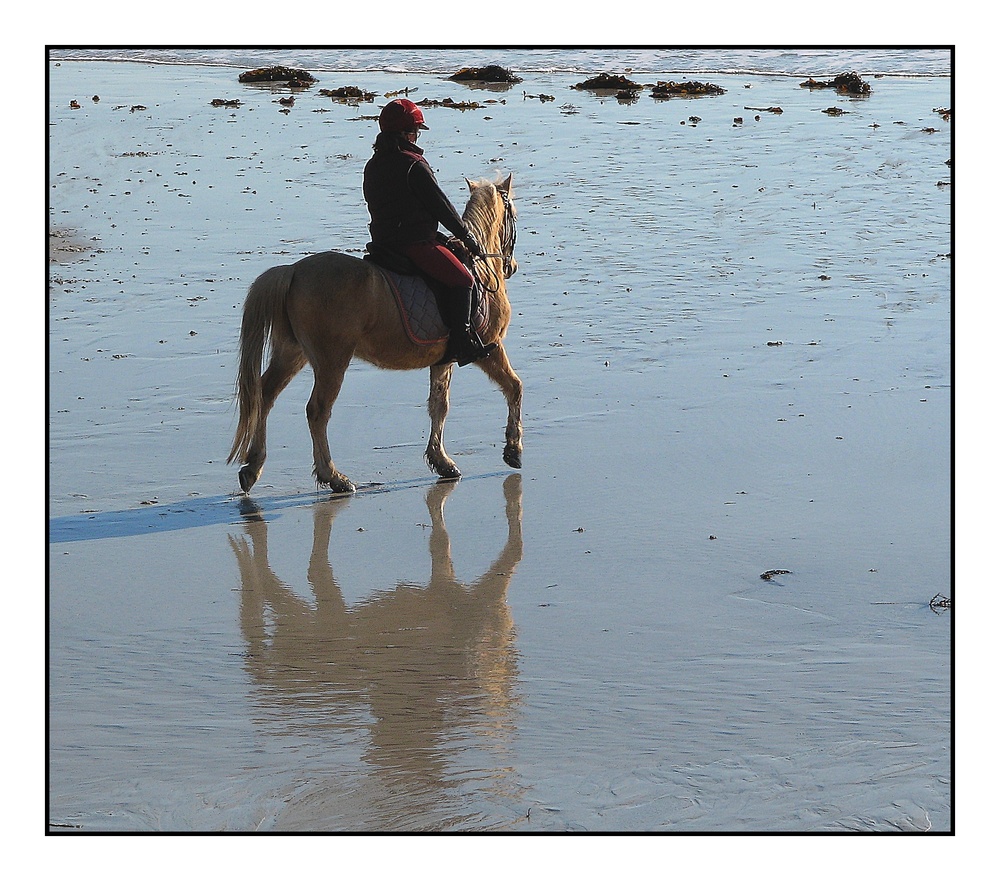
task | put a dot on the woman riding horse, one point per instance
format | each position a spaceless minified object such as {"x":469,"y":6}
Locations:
{"x":406,"y":205}
{"x":327,"y":309}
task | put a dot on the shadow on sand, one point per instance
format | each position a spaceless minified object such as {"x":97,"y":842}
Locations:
{"x":205,"y":511}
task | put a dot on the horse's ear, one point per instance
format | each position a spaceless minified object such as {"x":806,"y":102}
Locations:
{"x":505,"y":185}
{"x":472,"y":186}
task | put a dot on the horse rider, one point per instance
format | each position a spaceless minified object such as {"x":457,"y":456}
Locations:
{"x":406,"y":205}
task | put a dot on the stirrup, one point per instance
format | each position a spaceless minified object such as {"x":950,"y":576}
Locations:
{"x":471,"y":349}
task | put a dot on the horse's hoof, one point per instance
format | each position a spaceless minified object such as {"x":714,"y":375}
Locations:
{"x":512,"y":456}
{"x":341,"y":484}
{"x":248,"y":478}
{"x":449,"y":472}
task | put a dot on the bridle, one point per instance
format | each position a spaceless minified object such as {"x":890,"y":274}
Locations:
{"x":508,"y":239}
{"x":508,"y":235}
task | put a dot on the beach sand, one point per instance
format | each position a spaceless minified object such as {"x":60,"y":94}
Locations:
{"x":735,"y":339}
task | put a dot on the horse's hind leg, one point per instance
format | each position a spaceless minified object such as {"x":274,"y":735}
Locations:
{"x":329,"y":373}
{"x":287,"y":360}
{"x":497,"y":367}
{"x":437,"y":407}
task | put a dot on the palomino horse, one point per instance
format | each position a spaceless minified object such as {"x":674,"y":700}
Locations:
{"x":329,"y":308}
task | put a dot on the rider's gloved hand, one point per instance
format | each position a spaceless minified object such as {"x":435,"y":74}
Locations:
{"x":473,"y":247}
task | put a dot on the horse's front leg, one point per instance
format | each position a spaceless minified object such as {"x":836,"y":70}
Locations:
{"x":437,"y":407}
{"x":497,"y":367}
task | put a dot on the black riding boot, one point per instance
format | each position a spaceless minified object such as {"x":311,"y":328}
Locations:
{"x":466,"y":346}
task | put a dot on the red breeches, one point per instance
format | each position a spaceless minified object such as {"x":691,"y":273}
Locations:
{"x":440,"y":263}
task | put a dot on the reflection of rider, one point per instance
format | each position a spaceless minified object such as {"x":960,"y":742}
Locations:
{"x":406,"y":205}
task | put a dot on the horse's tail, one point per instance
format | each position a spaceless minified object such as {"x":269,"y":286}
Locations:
{"x":264,"y":304}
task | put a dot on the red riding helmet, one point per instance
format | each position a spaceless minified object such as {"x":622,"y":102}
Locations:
{"x":401,"y":115}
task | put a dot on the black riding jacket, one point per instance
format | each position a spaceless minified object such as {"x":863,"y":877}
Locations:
{"x":404,"y":199}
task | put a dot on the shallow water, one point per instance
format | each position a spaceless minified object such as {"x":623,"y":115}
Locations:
{"x":443,"y":61}
{"x":586,"y":645}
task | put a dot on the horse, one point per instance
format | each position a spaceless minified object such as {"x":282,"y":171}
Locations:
{"x":329,"y":308}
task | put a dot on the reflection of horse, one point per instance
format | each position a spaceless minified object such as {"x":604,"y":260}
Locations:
{"x":435,"y":665}
{"x":329,"y":308}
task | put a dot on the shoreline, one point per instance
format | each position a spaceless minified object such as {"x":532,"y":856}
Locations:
{"x":542,"y":72}
{"x":586,"y":62}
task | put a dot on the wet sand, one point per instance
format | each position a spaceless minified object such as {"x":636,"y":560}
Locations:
{"x":735,"y":343}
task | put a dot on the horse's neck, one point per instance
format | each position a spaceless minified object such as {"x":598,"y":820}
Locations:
{"x":486,"y":222}
{"x":492,"y":235}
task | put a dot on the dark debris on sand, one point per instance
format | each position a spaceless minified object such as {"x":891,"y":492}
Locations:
{"x":939,"y":601}
{"x":845,"y":84}
{"x":450,"y":102}
{"x":293,"y":76}
{"x":691,"y":89}
{"x":348,"y":93}
{"x":491,"y":73}
{"x":609,"y":81}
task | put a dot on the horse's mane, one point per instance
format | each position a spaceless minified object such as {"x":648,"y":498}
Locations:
{"x":481,"y":210}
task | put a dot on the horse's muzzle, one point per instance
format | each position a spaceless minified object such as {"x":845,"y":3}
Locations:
{"x":509,"y":267}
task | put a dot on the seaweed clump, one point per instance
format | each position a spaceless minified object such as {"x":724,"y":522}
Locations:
{"x":940,"y":601}
{"x":292,"y":75}
{"x":491,"y":73}
{"x":609,"y":81}
{"x":450,"y":102}
{"x":845,"y":84}
{"x":348,"y":93}
{"x":691,"y":89}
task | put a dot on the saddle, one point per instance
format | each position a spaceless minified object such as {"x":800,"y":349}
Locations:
{"x":419,"y":297}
